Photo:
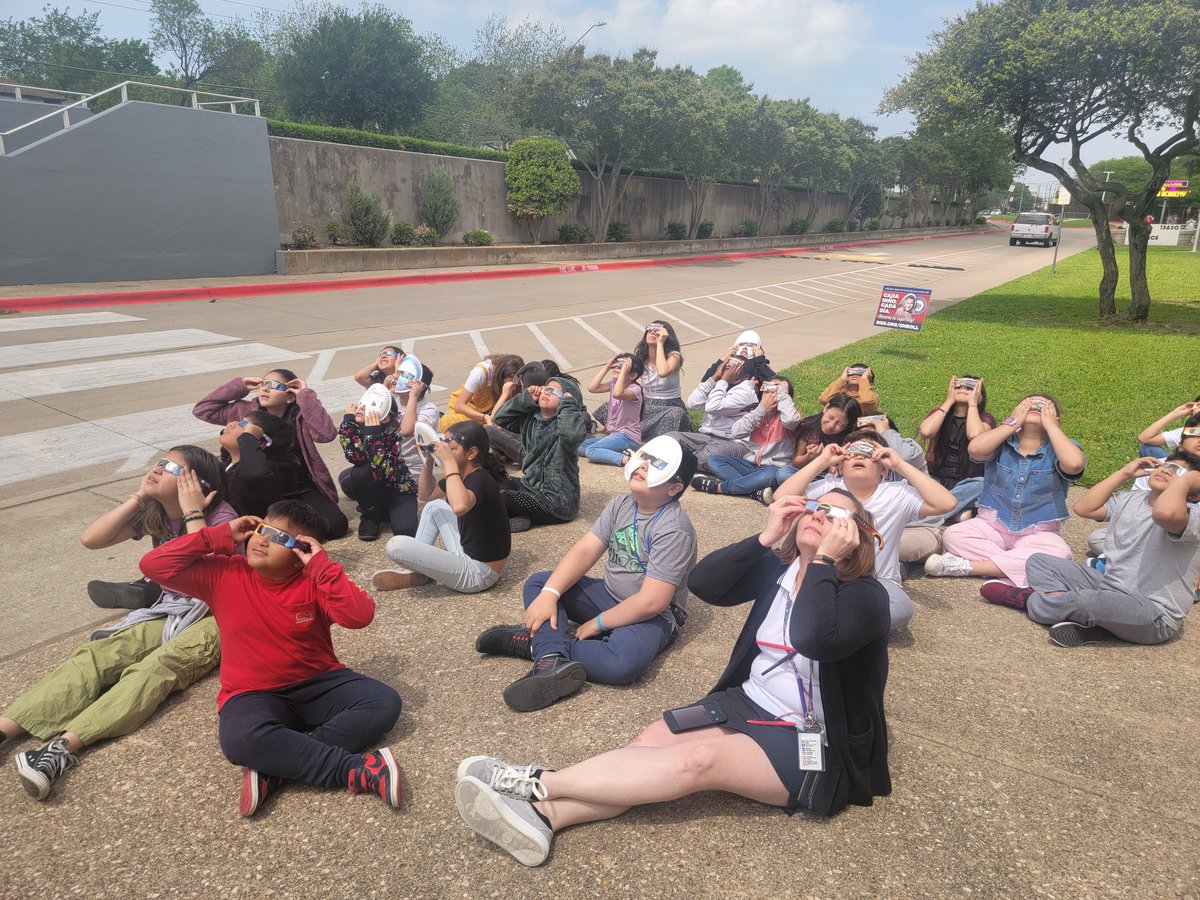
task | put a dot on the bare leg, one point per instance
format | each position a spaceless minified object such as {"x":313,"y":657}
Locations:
{"x":9,"y":728}
{"x":985,"y":568}
{"x":74,"y":744}
{"x":656,"y":767}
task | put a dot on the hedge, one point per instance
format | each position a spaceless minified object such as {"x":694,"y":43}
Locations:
{"x":331,"y":135}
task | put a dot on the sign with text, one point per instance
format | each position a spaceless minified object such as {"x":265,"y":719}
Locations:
{"x":1173,"y":189}
{"x":1165,"y":235}
{"x":903,"y":308}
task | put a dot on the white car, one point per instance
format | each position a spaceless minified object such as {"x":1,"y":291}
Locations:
{"x":1035,"y":228}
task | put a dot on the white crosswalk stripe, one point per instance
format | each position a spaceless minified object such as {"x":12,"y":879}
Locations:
{"x":66,"y":320}
{"x":112,"y":345}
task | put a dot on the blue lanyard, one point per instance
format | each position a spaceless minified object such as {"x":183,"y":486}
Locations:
{"x":636,"y":555}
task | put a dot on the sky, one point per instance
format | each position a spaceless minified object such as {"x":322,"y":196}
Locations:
{"x":841,"y":54}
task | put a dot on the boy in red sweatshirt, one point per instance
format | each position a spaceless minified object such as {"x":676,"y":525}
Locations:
{"x":289,"y":710}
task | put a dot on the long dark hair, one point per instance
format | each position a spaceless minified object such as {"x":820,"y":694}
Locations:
{"x":940,"y":442}
{"x":671,"y":345}
{"x":293,"y":408}
{"x":473,"y":435}
{"x":151,"y":518}
{"x":810,"y":429}
{"x":504,"y":367}
{"x":281,"y":454}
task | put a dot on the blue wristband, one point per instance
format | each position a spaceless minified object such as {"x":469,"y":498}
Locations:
{"x":600,"y":624}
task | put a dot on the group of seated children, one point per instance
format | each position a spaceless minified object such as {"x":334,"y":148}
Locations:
{"x":795,"y":721}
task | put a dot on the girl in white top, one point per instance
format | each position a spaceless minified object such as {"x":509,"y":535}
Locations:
{"x":663,"y":409}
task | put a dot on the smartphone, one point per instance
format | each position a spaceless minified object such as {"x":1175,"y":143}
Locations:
{"x":701,"y":715}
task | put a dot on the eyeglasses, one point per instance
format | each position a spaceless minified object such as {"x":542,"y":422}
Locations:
{"x":174,"y":469}
{"x":861,"y":450}
{"x":1177,"y":469}
{"x":280,"y":537}
{"x":389,"y":352}
{"x":856,"y":371}
{"x":837,"y":512}
{"x":276,"y":385}
{"x":967,"y":383}
{"x":1191,"y":432}
{"x":553,"y":392}
{"x":654,"y":461}
{"x":246,"y":423}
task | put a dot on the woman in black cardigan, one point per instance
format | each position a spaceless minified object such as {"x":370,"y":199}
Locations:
{"x":807,"y":674}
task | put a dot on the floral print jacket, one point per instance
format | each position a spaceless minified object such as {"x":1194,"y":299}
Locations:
{"x":378,"y":448}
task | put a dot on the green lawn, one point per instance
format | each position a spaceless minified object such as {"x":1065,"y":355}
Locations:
{"x":1039,"y":333}
{"x":1067,"y":223}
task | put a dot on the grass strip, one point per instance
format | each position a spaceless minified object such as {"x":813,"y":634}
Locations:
{"x":1039,"y":333}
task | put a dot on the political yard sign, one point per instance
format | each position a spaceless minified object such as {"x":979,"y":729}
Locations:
{"x":904,"y":308}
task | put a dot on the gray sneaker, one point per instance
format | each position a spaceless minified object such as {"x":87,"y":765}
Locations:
{"x":942,"y":565}
{"x":507,"y":822}
{"x":513,"y":781}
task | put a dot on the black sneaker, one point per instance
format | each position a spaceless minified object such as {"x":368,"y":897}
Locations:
{"x":765,"y":496}
{"x":518,"y":524}
{"x":551,"y":678}
{"x":124,"y":595}
{"x":1072,"y":634}
{"x":706,"y":484}
{"x":255,"y":788}
{"x":39,"y":768}
{"x":368,"y":529}
{"x":377,"y":773}
{"x":506,"y":640}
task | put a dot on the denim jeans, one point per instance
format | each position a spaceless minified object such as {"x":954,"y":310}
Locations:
{"x":450,"y":567}
{"x":620,"y":657}
{"x":607,"y":450}
{"x":966,"y":492}
{"x":1151,"y":450}
{"x":740,"y":476}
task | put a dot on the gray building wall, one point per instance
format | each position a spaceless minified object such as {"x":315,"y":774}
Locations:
{"x":140,"y":191}
{"x":17,"y":112}
{"x":311,"y":179}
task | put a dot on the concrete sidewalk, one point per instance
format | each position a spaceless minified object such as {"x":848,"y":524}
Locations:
{"x":1019,"y":768}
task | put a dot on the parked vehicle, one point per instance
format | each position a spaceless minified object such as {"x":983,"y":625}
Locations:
{"x":1035,"y":228}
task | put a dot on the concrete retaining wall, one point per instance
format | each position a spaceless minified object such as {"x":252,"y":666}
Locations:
{"x":361,"y":259}
{"x":17,"y":112}
{"x":140,"y":191}
{"x":311,"y":179}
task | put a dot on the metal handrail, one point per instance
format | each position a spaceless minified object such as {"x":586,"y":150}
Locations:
{"x":18,"y":88}
{"x":65,"y":111}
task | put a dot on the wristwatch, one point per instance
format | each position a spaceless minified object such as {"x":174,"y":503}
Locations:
{"x":826,"y":558}
{"x":1011,"y":423}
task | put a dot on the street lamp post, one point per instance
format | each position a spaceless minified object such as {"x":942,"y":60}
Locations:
{"x":585,"y":34}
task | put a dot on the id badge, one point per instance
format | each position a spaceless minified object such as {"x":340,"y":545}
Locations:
{"x":812,"y":751}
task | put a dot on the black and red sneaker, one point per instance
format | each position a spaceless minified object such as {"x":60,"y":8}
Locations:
{"x":377,"y":773}
{"x":505,"y":640}
{"x":255,"y":788}
{"x":1004,"y":594}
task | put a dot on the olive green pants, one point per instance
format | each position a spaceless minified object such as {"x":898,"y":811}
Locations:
{"x":107,"y":688}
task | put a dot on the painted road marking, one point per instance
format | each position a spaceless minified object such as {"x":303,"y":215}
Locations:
{"x":662,"y":312}
{"x":116,"y":372}
{"x":481,"y":349}
{"x":549,"y":345}
{"x":709,"y":313}
{"x":597,"y":335}
{"x":111,"y":345}
{"x":67,"y":320}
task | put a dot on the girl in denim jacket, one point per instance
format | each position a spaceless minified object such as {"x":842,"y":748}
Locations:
{"x":1029,"y":462}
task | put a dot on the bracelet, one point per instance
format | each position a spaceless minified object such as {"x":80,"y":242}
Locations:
{"x":600,"y":624}
{"x":193,"y":517}
{"x":825,"y":558}
{"x":549,"y":590}
{"x":195,"y":511}
{"x":935,"y":410}
{"x":459,"y":474}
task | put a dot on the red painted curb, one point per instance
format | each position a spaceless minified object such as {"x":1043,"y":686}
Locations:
{"x":228,"y":291}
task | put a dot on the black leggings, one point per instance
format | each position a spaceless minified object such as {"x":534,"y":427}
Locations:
{"x":336,"y":522}
{"x":522,"y":502}
{"x":377,"y":502}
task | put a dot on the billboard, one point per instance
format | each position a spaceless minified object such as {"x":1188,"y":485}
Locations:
{"x":1173,"y":189}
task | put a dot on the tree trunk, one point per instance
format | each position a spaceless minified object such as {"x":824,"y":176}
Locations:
{"x":1139,"y":289}
{"x":1108,"y":260}
{"x":698,"y":189}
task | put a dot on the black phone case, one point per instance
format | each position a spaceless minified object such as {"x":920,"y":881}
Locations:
{"x":716,"y":716}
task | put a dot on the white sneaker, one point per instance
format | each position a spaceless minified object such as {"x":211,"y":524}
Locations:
{"x":947,"y":564}
{"x":507,"y":822}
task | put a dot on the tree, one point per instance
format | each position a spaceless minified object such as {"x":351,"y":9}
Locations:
{"x":436,"y":204}
{"x":69,"y":53}
{"x":541,"y":182}
{"x":609,"y":110}
{"x":357,"y":70}
{"x":201,"y":49}
{"x":1054,"y":72}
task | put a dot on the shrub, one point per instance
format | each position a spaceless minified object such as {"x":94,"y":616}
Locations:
{"x":425,"y":236}
{"x":796,"y":226}
{"x":363,"y":216}
{"x":981,"y":220}
{"x":329,"y":134}
{"x":677,"y":231}
{"x":478,"y":238}
{"x":705,"y":230}
{"x":873,"y":223}
{"x":333,"y":230}
{"x":618,"y":231}
{"x":541,"y":182}
{"x":404,"y":234}
{"x":304,"y":236}
{"x":835,"y":226}
{"x":746,"y":228}
{"x":436,"y":201}
{"x":852,"y":225}
{"x":574,"y":233}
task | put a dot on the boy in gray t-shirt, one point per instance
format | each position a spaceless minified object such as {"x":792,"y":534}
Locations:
{"x":1153,"y":552}
{"x":625,"y":619}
